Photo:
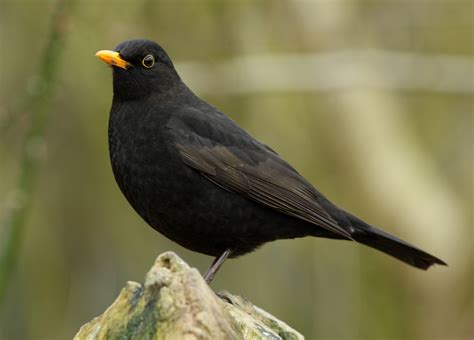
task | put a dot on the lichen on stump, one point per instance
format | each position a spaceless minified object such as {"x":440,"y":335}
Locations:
{"x":176,"y":303}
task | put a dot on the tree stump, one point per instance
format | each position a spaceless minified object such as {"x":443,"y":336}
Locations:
{"x":176,"y":303}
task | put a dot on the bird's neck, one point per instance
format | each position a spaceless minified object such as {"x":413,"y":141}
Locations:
{"x":161,"y":93}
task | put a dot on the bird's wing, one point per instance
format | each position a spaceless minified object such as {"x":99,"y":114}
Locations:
{"x":258,"y":174}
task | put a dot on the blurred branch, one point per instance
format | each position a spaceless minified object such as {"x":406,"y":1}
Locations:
{"x":38,"y":105}
{"x":333,"y":71}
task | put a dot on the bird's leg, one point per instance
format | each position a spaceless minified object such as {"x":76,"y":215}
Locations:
{"x":216,"y":264}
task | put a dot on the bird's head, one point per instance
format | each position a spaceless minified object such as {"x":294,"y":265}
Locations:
{"x":140,"y":68}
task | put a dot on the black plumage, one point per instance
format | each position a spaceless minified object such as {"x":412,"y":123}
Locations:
{"x":202,"y":181}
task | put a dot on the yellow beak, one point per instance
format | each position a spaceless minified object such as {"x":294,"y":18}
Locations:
{"x":112,"y":58}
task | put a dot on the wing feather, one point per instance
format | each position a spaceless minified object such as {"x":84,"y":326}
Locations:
{"x":267,"y":180}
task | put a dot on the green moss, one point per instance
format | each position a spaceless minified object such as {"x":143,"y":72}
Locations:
{"x":142,"y":324}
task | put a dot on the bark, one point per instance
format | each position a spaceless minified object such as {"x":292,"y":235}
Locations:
{"x":176,"y":303}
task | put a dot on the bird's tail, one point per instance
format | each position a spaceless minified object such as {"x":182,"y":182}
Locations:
{"x":391,"y":245}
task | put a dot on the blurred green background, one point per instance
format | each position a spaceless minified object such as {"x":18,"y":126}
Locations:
{"x":372,"y":101}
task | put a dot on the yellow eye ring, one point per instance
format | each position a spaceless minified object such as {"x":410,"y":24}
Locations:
{"x":148,"y":61}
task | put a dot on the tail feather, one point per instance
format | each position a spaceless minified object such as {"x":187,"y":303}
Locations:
{"x":391,"y":245}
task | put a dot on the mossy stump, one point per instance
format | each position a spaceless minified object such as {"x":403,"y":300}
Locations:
{"x":176,"y":303}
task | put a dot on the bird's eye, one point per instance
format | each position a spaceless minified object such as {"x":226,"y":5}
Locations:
{"x":148,"y":61}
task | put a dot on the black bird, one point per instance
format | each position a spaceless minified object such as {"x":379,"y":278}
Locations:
{"x":201,"y":180}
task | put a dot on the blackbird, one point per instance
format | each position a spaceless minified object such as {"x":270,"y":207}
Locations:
{"x":201,"y":180}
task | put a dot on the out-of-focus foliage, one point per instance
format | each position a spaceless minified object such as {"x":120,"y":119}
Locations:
{"x":391,"y":140}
